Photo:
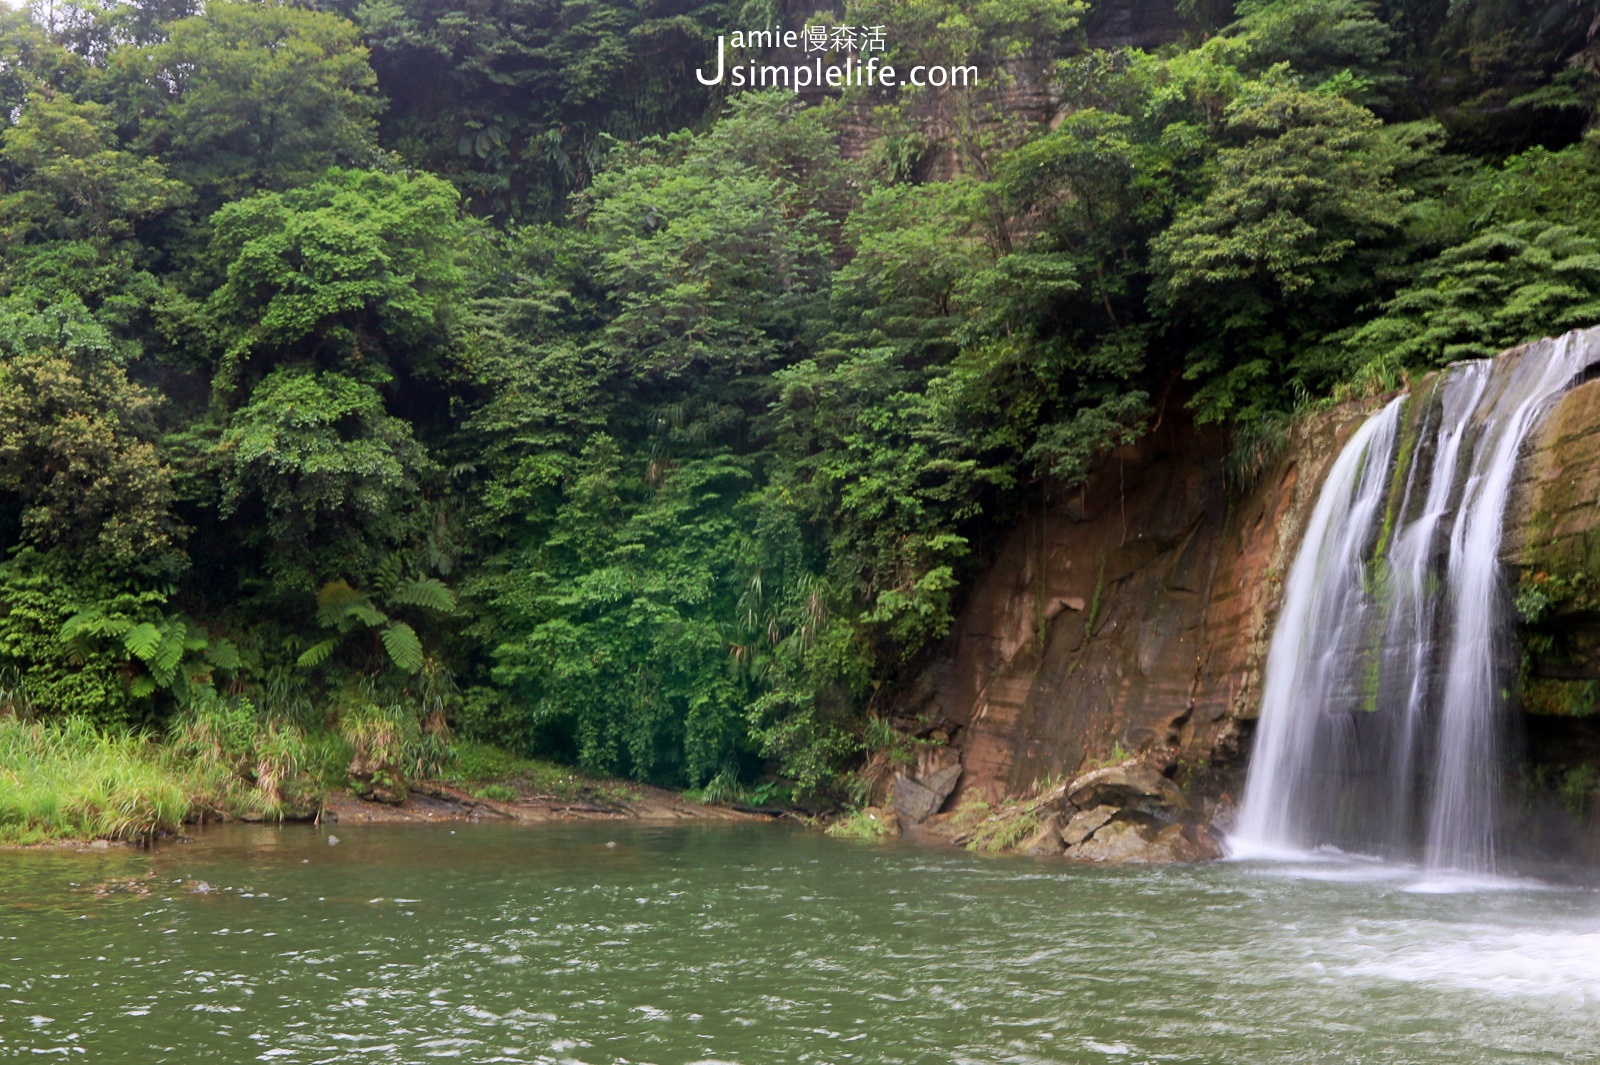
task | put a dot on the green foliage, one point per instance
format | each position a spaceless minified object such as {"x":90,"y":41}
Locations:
{"x":330,"y":469}
{"x":862,"y":824}
{"x":344,"y":610}
{"x":1282,"y":238}
{"x":391,"y":742}
{"x":175,"y":653}
{"x":995,"y":37}
{"x":239,"y":760}
{"x":1320,"y":40}
{"x":359,"y":268}
{"x":993,"y":829}
{"x":1578,"y":788}
{"x":76,"y":453}
{"x":684,"y":451}
{"x":496,"y":793}
{"x":70,"y":780}
{"x":79,"y":676}
{"x":1509,"y":285}
{"x":70,"y":178}
{"x":260,"y":96}
{"x":512,"y":101}
{"x":1540,"y":593}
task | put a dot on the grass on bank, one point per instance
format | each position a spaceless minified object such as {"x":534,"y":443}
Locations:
{"x":488,"y":772}
{"x":69,"y":780}
{"x":72,"y":781}
{"x":862,"y":824}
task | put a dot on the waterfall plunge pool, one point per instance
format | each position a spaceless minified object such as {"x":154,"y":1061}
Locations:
{"x":754,"y":945}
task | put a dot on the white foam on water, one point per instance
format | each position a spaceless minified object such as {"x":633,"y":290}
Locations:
{"x":1331,"y":865}
{"x":1540,"y":963}
{"x":1246,"y":849}
{"x":1374,"y":873}
{"x":1454,"y":883}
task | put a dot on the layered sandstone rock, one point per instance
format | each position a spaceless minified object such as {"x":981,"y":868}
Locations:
{"x":1127,"y":813}
{"x":1130,"y":616}
{"x":1553,"y":519}
{"x":1552,"y":547}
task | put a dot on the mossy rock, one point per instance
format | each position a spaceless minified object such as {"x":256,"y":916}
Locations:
{"x":1561,"y":698}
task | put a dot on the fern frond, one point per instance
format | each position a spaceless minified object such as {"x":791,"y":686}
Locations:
{"x":429,"y":593}
{"x":388,"y":576}
{"x":336,"y":601}
{"x":223,"y":654}
{"x":337,"y":593}
{"x":366,"y":613}
{"x":164,"y":662}
{"x":93,"y":623}
{"x":400,"y":640}
{"x":142,"y":641}
{"x":316,"y":654}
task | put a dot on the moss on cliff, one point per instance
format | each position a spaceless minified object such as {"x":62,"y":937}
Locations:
{"x":1555,"y":532}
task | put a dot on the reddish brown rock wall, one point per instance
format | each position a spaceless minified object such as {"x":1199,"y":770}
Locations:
{"x":1134,"y":612}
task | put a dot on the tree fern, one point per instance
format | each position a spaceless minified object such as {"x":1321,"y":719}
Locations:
{"x":223,"y":654}
{"x":168,"y":655}
{"x":142,"y":641}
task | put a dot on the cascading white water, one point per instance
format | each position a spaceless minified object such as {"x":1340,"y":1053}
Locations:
{"x":1322,"y":605}
{"x":1409,"y":641}
{"x":1382,"y":721}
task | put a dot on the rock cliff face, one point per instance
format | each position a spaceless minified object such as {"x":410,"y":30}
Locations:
{"x":1552,"y":546}
{"x":1553,"y":520}
{"x":1129,"y":617}
{"x":1128,"y":622}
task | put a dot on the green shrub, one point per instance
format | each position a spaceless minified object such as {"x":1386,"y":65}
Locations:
{"x":40,"y":593}
{"x":862,"y":824}
{"x":993,"y":829}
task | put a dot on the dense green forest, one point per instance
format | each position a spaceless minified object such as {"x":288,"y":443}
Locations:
{"x":378,"y":372}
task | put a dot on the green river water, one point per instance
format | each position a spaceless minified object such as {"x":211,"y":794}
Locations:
{"x":755,"y":945}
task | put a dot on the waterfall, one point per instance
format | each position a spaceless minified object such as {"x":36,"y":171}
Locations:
{"x":1383,"y":716}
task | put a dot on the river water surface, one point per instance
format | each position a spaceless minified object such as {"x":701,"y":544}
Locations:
{"x":755,"y":945}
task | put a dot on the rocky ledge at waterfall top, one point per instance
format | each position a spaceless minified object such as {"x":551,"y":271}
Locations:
{"x":1126,"y":625}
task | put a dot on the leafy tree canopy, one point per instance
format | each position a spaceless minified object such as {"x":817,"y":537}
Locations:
{"x":369,"y":366}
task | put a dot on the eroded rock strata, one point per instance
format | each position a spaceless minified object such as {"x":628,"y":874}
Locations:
{"x":1131,"y":616}
{"x":1128,"y":622}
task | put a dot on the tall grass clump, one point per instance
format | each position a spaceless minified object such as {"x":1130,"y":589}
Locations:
{"x":393,"y":740}
{"x":70,"y":780}
{"x":239,"y":762}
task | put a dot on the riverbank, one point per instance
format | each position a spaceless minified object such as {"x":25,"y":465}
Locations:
{"x":73,"y":785}
{"x":434,"y":801}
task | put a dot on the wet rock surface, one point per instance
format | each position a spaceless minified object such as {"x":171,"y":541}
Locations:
{"x":1134,"y":787}
{"x":1046,"y":839}
{"x":1085,"y":823}
{"x":1129,"y":813}
{"x":921,"y":792}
